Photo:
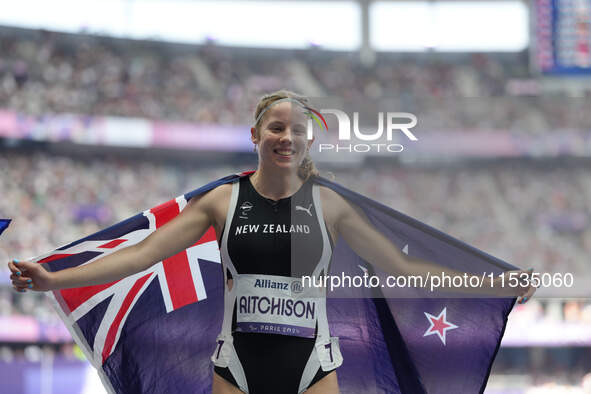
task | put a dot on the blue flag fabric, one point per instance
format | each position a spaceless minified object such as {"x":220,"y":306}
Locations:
{"x":4,"y":224}
{"x":459,"y":358}
{"x":155,"y":331}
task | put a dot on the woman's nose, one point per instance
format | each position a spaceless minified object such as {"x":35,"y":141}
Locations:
{"x":287,"y":135}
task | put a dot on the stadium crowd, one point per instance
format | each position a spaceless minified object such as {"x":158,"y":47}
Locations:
{"x":43,"y":72}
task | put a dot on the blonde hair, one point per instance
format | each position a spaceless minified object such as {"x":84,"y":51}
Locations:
{"x":307,"y":168}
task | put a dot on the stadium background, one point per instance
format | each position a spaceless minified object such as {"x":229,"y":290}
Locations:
{"x":502,"y":160}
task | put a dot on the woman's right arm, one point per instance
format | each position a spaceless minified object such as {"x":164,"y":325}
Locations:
{"x":173,"y":237}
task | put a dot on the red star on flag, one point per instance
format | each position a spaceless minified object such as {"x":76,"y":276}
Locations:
{"x":439,"y":325}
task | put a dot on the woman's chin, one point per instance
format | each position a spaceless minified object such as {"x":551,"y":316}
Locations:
{"x":288,"y":163}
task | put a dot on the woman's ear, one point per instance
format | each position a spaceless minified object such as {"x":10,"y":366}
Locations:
{"x":253,"y":135}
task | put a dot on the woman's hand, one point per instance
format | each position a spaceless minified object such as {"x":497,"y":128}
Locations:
{"x":524,"y":291}
{"x":27,"y":275}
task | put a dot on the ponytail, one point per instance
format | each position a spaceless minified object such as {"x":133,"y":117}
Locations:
{"x":307,"y":168}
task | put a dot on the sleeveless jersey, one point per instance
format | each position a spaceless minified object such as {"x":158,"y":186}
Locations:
{"x":266,"y":246}
{"x":284,"y":237}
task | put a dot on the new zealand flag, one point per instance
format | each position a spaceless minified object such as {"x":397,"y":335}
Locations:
{"x":155,"y":331}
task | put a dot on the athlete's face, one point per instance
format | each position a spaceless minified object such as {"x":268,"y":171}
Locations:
{"x":282,"y":137}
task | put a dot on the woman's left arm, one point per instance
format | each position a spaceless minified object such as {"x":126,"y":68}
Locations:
{"x":361,"y":235}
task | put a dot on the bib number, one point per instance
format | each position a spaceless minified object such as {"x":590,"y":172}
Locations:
{"x":275,"y":305}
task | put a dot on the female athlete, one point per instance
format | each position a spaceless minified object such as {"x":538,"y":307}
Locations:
{"x":272,"y":227}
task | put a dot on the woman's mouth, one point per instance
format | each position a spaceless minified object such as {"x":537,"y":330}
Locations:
{"x":284,"y":152}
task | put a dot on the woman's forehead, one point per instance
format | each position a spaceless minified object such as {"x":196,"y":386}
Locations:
{"x":287,"y":112}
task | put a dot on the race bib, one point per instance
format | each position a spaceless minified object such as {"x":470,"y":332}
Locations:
{"x":276,"y":305}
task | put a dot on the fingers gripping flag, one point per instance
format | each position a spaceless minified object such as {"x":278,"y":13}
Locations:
{"x":155,"y":331}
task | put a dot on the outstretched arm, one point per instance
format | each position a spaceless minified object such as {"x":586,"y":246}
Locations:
{"x":176,"y":235}
{"x":362,"y":236}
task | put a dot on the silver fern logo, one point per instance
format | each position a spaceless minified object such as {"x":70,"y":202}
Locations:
{"x":245,"y":209}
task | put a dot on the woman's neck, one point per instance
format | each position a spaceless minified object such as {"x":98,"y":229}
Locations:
{"x":275,"y":185}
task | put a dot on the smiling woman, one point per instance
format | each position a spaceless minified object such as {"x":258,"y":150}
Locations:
{"x":265,"y":251}
{"x":274,"y":115}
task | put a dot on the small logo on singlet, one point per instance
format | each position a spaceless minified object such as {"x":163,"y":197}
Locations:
{"x":244,"y":209}
{"x":300,"y":208}
{"x":296,"y":286}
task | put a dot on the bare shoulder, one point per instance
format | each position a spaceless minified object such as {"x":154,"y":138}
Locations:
{"x":337,"y":207}
{"x":333,"y":204}
{"x":331,"y":199}
{"x":222,"y":192}
{"x":214,"y":198}
{"x":329,"y":195}
{"x":214,"y":203}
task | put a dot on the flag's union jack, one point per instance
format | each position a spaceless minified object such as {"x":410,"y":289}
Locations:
{"x":180,"y":278}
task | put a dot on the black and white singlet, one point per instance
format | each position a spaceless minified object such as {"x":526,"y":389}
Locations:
{"x":275,"y":335}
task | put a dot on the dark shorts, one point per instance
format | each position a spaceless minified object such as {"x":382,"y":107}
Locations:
{"x":272,"y":363}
